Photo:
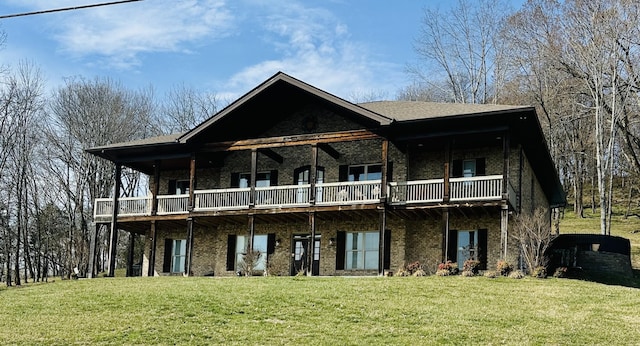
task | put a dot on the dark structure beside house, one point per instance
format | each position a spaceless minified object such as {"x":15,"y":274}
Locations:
{"x":322,"y":186}
{"x":594,"y":254}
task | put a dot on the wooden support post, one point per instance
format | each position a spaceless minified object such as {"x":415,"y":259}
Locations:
{"x":91,"y":273}
{"x":312,"y":242}
{"x":505,"y":166}
{"x":313,"y":168}
{"x":155,"y":188}
{"x":504,"y":232}
{"x":192,"y":181}
{"x":381,"y":243}
{"x":447,"y":172}
{"x":151,"y":271}
{"x":252,"y":230}
{"x":445,"y":235}
{"x":113,"y":236}
{"x":254,"y":173}
{"x":130,"y":252}
{"x":189,"y":254}
{"x":446,"y":195}
{"x":385,"y":163}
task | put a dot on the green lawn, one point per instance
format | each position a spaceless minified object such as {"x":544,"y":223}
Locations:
{"x":301,"y":311}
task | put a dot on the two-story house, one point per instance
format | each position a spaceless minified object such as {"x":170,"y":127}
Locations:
{"x":323,"y":186}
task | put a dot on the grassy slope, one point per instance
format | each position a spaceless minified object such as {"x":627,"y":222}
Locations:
{"x":271,"y":310}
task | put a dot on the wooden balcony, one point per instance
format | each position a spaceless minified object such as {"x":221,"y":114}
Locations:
{"x":485,"y":188}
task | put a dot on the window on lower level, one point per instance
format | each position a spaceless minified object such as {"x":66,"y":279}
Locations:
{"x":175,"y":255}
{"x":362,"y":250}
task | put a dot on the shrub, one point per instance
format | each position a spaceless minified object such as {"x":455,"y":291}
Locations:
{"x":414,"y":268}
{"x":249,"y":261}
{"x":451,"y":267}
{"x":491,"y":274}
{"x":560,"y":272}
{"x":471,"y":265}
{"x":503,"y":267}
{"x":539,"y":272}
{"x":516,"y":274}
{"x":419,"y":272}
{"x":468,"y":273}
{"x":443,"y":272}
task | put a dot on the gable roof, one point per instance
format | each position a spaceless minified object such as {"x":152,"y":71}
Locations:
{"x":279,"y":90}
{"x":418,"y":110}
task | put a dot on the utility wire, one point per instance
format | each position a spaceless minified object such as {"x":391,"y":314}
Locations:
{"x":66,"y":9}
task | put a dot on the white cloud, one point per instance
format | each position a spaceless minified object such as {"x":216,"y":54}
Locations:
{"x":118,"y":34}
{"x":315,"y":47}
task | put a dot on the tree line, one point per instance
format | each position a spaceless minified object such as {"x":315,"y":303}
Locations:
{"x":49,"y":182}
{"x":577,"y":61}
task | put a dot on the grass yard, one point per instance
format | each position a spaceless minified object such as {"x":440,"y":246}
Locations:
{"x":339,"y":310}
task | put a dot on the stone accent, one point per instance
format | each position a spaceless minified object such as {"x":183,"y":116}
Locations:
{"x":600,"y":262}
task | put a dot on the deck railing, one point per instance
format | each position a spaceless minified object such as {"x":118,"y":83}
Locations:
{"x":173,"y":204}
{"x":361,"y":192}
{"x":283,"y":196}
{"x":476,"y":188}
{"x":222,"y":199}
{"x":342,"y":193}
{"x":418,"y":191}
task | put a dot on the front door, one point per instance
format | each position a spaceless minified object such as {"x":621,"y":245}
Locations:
{"x":300,"y":258}
{"x":467,"y":246}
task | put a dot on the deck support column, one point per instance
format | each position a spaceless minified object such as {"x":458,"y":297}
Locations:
{"x":189,"y":254}
{"x":192,"y":182}
{"x":312,"y":243}
{"x":445,"y":235}
{"x":156,"y":188}
{"x":254,"y":173}
{"x":313,"y":174}
{"x":381,"y":243}
{"x":151,"y":271}
{"x":91,"y":272}
{"x":384,"y":151}
{"x":504,"y":208}
{"x":252,"y":229}
{"x":504,"y":222}
{"x":113,"y":236}
{"x":130,"y":253}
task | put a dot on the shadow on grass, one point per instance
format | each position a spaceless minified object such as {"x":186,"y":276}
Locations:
{"x":616,"y":280}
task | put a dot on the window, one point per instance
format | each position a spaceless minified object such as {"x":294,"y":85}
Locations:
{"x":178,"y":255}
{"x":362,"y":250}
{"x":263,"y":179}
{"x":178,"y":187}
{"x":365,"y":172}
{"x":259,"y":244}
{"x":469,"y":168}
{"x":301,"y":176}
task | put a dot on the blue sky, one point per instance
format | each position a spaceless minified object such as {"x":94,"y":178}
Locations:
{"x":346,"y":47}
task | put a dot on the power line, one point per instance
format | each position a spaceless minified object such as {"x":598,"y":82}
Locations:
{"x":66,"y":9}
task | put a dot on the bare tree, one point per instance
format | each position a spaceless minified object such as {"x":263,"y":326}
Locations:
{"x":83,"y":114}
{"x":532,"y":232}
{"x":184,"y":108}
{"x":461,"y":46}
